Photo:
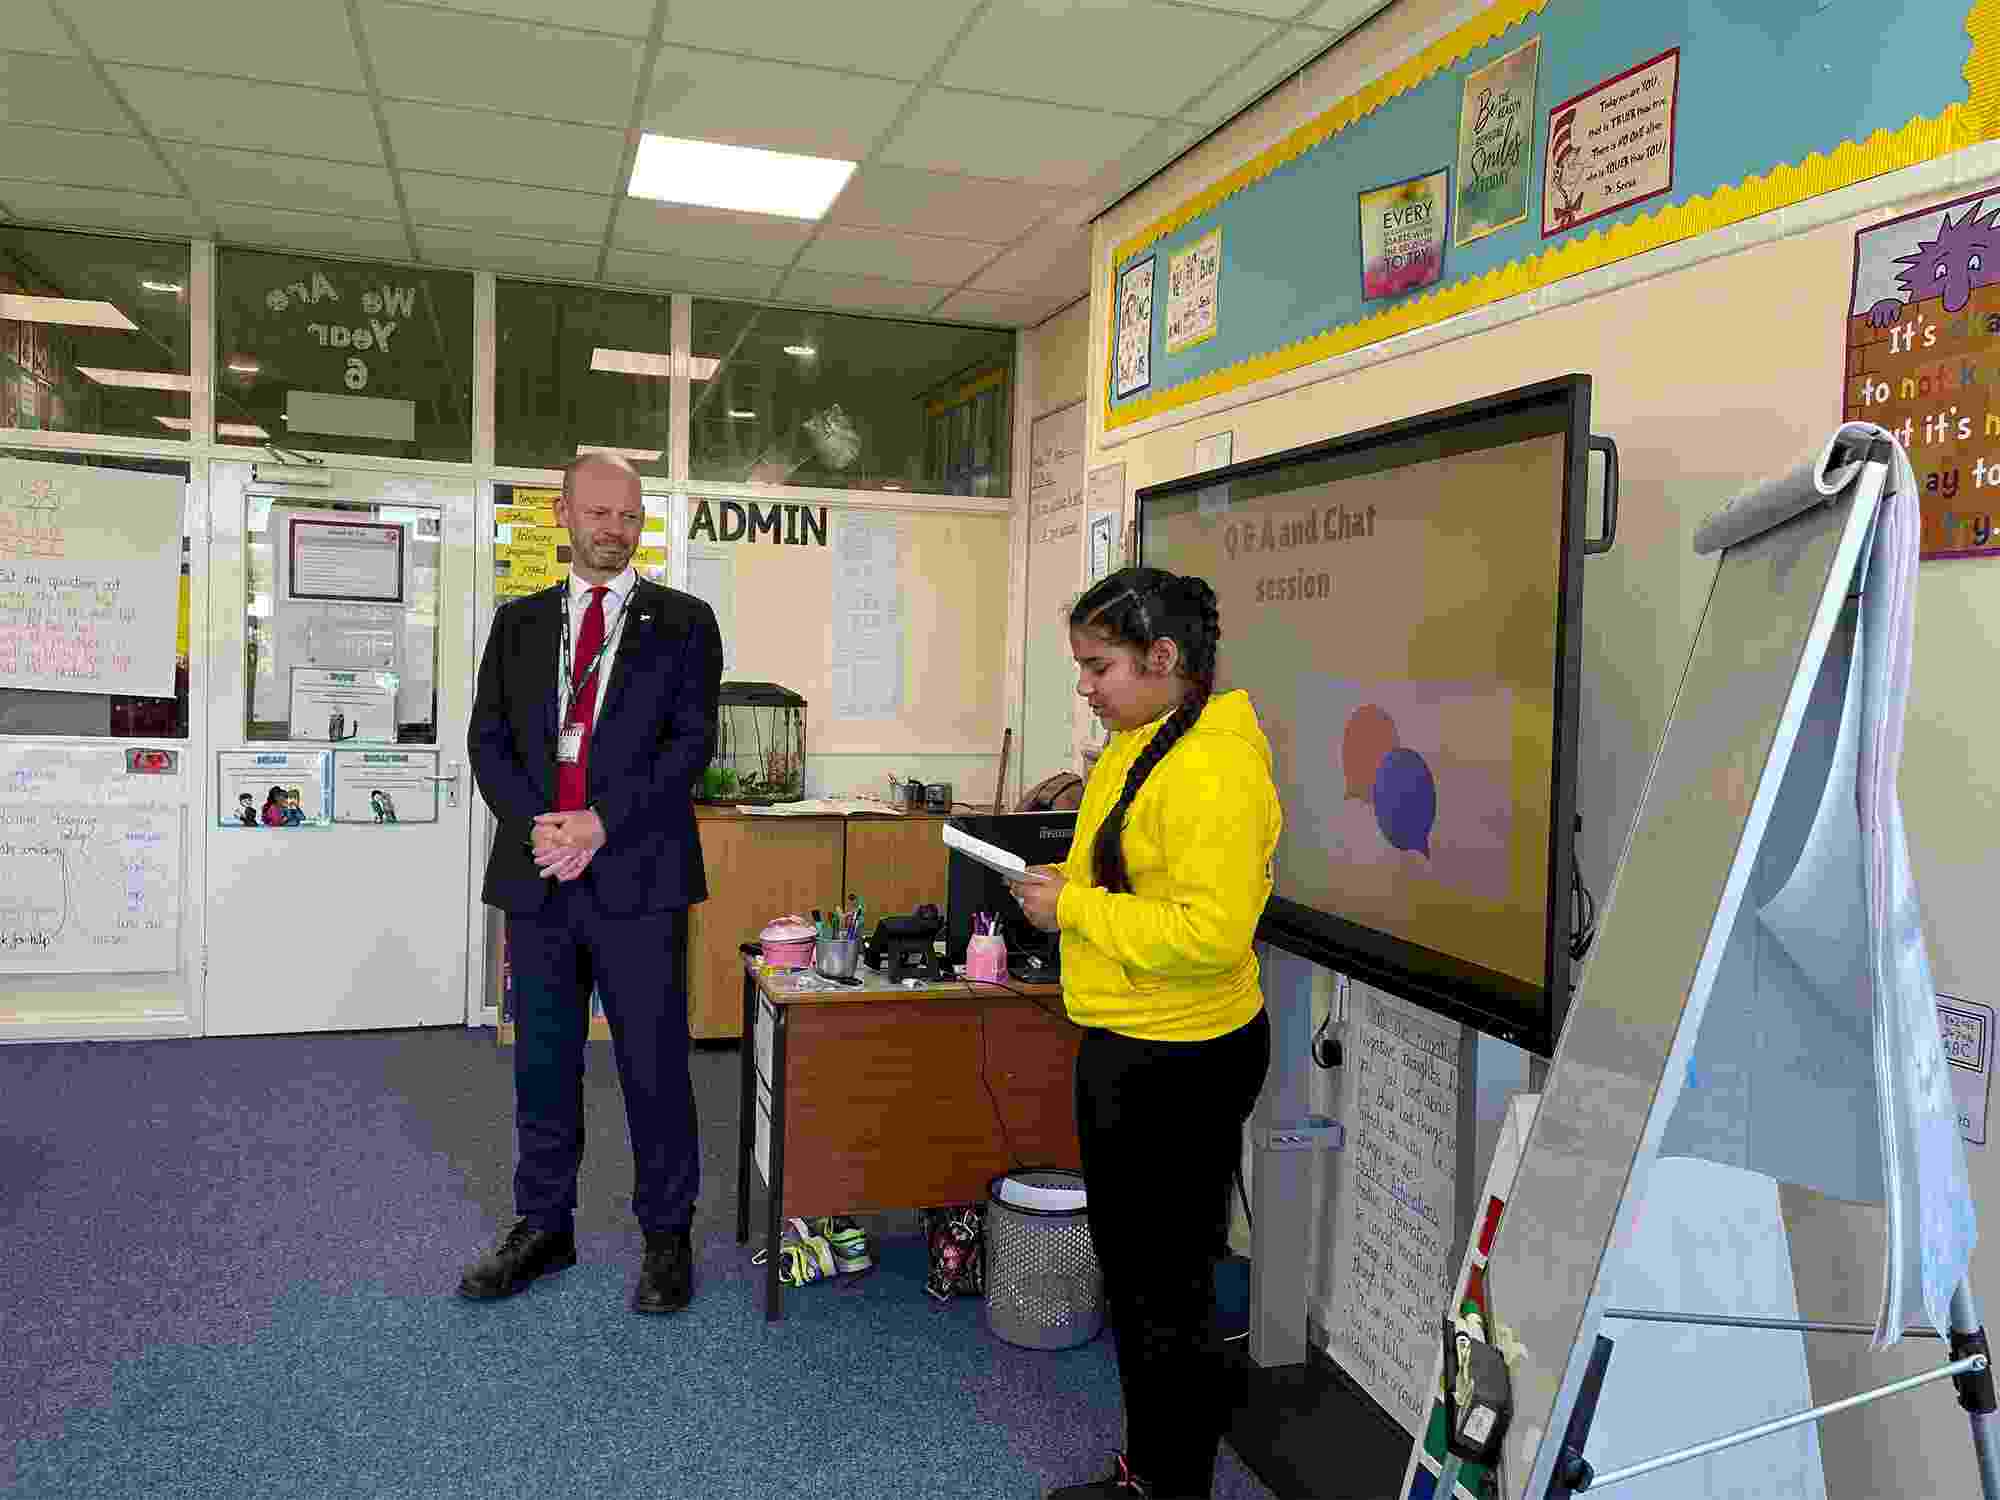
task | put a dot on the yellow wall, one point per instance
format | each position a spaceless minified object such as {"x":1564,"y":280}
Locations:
{"x":1710,"y":375}
{"x":1059,"y":358}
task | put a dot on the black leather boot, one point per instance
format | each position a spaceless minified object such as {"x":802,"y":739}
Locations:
{"x":666,"y":1276}
{"x":523,"y":1255}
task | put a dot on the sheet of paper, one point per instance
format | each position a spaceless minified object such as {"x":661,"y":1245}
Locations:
{"x":990,"y":855}
{"x":866,"y":673}
{"x":712,"y":578}
{"x":90,"y":573}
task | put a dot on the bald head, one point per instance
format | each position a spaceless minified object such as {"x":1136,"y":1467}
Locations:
{"x":604,"y":510}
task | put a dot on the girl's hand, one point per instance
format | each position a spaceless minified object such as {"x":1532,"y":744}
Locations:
{"x":1038,"y":898}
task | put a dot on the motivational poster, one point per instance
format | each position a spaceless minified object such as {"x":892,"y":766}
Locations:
{"x":1496,"y":123}
{"x":1923,"y":356}
{"x":1611,"y":146}
{"x":1403,"y":234}
{"x":1133,"y":344}
{"x":1191,"y":280}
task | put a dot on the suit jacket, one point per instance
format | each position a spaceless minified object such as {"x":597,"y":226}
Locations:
{"x":653,"y":734}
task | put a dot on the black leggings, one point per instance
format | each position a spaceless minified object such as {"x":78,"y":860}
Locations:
{"x":1161,"y":1127}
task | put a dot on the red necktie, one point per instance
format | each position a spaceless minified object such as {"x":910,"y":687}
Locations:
{"x":583,"y":703}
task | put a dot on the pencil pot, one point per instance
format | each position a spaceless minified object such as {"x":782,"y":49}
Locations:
{"x":837,"y":957}
{"x":986,"y":959}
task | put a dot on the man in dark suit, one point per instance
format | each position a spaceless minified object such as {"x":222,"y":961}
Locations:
{"x":595,"y":714}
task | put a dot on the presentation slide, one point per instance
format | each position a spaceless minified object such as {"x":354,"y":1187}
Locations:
{"x":1395,"y":627}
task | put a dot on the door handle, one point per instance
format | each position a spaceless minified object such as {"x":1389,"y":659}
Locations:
{"x":450,"y":782}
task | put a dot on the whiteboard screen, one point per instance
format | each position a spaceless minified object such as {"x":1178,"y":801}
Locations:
{"x":90,"y":864}
{"x":1396,"y":1212}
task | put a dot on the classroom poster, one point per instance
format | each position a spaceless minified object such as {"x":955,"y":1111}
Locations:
{"x":1611,"y":146}
{"x":1192,"y":275}
{"x":1496,"y":126}
{"x":1403,"y":234}
{"x":273,"y":789}
{"x":1923,"y":348}
{"x":1133,"y":351}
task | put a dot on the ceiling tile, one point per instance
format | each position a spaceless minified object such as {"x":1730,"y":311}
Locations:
{"x":474,"y":143}
{"x":33,"y":27}
{"x":420,"y":53}
{"x":626,"y":17}
{"x":1345,"y":15}
{"x":686,"y":273}
{"x":56,"y":91}
{"x":1087,"y":52}
{"x":505,"y":208}
{"x":1003,"y":308}
{"x":286,"y":181}
{"x":283,"y":41}
{"x":1161,"y":146}
{"x":1276,"y":63}
{"x":100,"y":208}
{"x":291,"y":229}
{"x":83,"y":158}
{"x":860,"y":293}
{"x":234,"y":112}
{"x":708,"y":233}
{"x":1039,"y":143}
{"x":1050,"y":265}
{"x":896,"y":257}
{"x":508,"y":253}
{"x":1273,"y":10}
{"x":773,"y":105}
{"x":974,"y":208}
{"x":886,"y":37}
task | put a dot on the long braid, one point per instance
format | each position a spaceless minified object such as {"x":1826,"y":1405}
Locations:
{"x":1189,"y":604}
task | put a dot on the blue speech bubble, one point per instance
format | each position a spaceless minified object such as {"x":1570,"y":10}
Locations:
{"x":1406,"y":800}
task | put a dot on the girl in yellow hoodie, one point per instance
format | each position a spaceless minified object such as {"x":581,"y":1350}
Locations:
{"x":1158,"y":905}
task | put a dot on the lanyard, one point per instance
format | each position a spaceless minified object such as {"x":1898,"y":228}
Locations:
{"x":565,"y":689}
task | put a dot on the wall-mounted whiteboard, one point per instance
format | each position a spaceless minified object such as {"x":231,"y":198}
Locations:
{"x":1396,"y":1207}
{"x":90,"y":570}
{"x":90,"y":863}
{"x":1055,"y":578}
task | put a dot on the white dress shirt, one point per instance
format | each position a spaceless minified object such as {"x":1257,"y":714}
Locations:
{"x":618,"y":595}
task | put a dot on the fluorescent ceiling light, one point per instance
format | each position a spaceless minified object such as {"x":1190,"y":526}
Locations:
{"x":225,"y":429}
{"x":146,"y":380}
{"x":163,"y":286}
{"x":245,"y":366}
{"x":18,"y":308}
{"x":659,"y":366}
{"x":708,"y":174}
{"x":744,"y":416}
{"x":803,"y":351}
{"x":637,"y":455}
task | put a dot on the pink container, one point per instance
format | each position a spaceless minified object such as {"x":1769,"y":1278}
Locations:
{"x":986,"y":960}
{"x":788,"y":943}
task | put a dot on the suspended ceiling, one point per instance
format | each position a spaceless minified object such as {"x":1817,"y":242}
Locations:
{"x":498,"y":134}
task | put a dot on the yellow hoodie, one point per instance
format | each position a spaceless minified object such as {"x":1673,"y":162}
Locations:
{"x":1171,"y":961}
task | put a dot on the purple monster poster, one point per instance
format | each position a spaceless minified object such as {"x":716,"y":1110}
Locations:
{"x":1923,"y":360}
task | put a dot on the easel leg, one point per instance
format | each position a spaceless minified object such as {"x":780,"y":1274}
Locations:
{"x":1975,"y":1391}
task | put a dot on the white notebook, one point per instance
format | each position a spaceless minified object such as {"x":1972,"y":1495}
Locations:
{"x":990,"y":855}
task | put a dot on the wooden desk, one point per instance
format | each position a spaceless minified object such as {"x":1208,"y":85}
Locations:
{"x":895,"y":1097}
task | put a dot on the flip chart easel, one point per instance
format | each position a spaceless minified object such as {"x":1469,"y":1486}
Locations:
{"x":1780,"y":598}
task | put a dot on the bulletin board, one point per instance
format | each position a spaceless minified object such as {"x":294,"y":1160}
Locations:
{"x":1670,"y":120}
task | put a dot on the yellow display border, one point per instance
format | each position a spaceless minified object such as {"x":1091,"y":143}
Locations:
{"x":1921,"y":140}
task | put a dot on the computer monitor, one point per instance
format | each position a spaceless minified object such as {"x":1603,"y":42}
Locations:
{"x":1041,"y":838}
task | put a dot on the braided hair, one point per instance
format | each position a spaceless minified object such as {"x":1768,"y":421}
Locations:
{"x":1136,"y":607}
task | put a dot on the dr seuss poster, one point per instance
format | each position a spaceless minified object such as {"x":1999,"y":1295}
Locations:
{"x":1923,"y":353}
{"x":1403,"y":234}
{"x":1496,"y":126}
{"x":1611,"y":146}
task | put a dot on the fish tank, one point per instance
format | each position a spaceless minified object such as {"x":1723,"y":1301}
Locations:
{"x":760,"y":747}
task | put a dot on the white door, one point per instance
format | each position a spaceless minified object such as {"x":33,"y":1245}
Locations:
{"x":340,"y":628}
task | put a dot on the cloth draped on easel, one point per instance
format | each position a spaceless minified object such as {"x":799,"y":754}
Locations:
{"x":1824,"y":1020}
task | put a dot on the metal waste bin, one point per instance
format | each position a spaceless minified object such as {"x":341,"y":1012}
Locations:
{"x":1043,"y":1286}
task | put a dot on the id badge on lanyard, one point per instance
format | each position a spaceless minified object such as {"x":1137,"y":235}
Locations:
{"x":569,"y":738}
{"x":569,"y":744}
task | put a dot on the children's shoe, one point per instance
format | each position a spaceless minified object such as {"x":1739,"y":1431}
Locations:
{"x":848,"y":1241}
{"x":802,"y":1255}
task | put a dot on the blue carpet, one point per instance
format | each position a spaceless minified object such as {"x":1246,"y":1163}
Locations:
{"x":240,"y":1256}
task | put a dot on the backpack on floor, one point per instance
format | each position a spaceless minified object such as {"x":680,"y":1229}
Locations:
{"x":956,"y":1238}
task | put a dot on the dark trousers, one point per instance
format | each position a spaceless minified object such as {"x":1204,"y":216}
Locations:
{"x":638,"y":964}
{"x":1161,"y":1128}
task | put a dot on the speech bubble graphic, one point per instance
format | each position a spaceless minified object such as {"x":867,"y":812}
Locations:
{"x":1406,"y":801}
{"x":1370,"y":735}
